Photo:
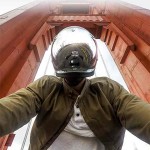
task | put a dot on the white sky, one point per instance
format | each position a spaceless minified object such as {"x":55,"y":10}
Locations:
{"x":130,"y":141}
{"x":8,"y":5}
{"x":141,"y":3}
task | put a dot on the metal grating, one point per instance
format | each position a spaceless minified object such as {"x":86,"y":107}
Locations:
{"x":73,"y":18}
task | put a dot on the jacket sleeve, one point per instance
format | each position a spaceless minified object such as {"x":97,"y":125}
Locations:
{"x":133,"y":112}
{"x":18,"y":108}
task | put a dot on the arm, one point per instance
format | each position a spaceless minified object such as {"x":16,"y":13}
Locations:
{"x":133,"y":112}
{"x":18,"y":108}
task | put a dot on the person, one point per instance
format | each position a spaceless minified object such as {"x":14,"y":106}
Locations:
{"x":73,"y":111}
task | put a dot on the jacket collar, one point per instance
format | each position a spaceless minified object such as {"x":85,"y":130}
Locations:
{"x":70,"y":91}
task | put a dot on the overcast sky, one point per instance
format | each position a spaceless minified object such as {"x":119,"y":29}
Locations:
{"x":8,"y":5}
{"x":106,"y":68}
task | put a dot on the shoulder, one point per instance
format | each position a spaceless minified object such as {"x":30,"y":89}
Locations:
{"x":46,"y":81}
{"x":50,"y":78}
{"x":106,"y":84}
{"x":102,"y":81}
{"x":112,"y":89}
{"x":44,"y":85}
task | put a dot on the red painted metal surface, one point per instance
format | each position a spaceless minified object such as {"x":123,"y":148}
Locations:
{"x":130,"y":45}
{"x":18,"y":64}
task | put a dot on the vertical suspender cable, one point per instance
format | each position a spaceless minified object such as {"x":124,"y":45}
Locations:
{"x":101,"y":57}
{"x":26,"y":134}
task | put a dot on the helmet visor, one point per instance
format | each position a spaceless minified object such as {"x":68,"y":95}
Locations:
{"x":70,"y":35}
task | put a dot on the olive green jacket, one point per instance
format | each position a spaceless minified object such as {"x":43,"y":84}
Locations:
{"x":106,"y":107}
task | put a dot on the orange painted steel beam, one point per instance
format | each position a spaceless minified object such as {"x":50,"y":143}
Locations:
{"x":128,"y":44}
{"x":18,"y":64}
{"x":130,"y":49}
{"x":3,"y":141}
{"x":41,"y":41}
{"x":123,"y":53}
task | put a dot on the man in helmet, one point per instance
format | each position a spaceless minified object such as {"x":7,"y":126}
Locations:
{"x":74,"y":112}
